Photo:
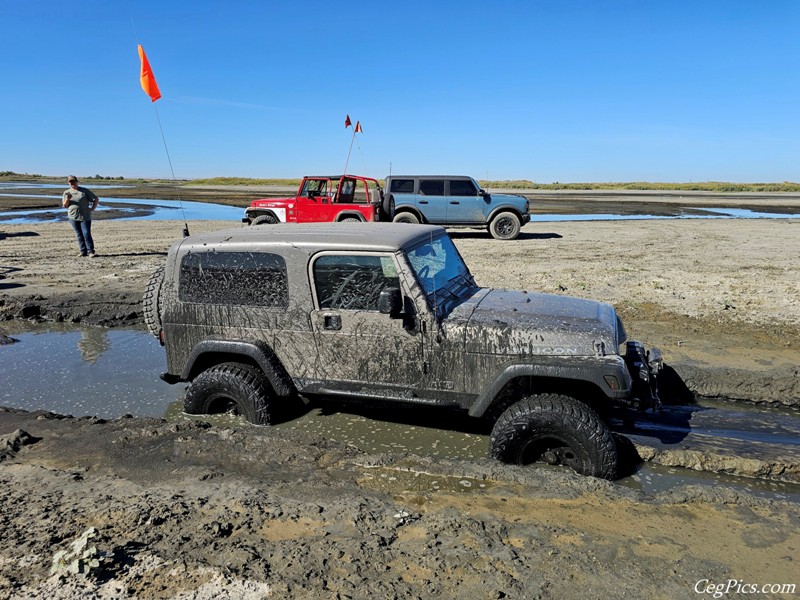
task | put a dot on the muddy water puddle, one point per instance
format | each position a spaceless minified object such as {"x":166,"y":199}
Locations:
{"x":112,"y":372}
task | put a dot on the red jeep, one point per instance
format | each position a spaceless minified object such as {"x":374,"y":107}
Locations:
{"x":335,"y":198}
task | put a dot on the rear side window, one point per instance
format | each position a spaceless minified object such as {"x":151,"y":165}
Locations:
{"x":462,"y":187}
{"x":402,"y":186}
{"x":353,"y":282}
{"x":234,"y":278}
{"x":432,"y":187}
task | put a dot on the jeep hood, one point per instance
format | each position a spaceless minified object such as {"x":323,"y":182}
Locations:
{"x":516,"y":323}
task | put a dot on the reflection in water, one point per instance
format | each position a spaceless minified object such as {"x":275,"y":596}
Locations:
{"x":84,"y":371}
{"x":94,"y":342}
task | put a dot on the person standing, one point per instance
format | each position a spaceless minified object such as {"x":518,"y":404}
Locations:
{"x":80,"y":202}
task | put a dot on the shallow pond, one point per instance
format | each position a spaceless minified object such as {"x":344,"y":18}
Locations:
{"x":107,"y":373}
{"x":158,"y":209}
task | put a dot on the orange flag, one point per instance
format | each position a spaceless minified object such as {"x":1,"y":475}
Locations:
{"x":358,"y":127}
{"x":347,"y":122}
{"x":147,"y":78}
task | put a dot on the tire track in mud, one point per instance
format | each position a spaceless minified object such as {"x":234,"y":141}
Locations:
{"x":720,"y":437}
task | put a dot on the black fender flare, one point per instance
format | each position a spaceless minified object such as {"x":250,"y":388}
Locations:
{"x":490,"y":217}
{"x":409,"y":208}
{"x":350,"y":214}
{"x":260,"y":212}
{"x":591,"y":370}
{"x":259,"y":352}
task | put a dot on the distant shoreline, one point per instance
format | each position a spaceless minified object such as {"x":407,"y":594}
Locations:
{"x":505,"y":185}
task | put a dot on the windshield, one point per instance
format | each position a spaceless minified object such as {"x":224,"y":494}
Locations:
{"x":440,"y":270}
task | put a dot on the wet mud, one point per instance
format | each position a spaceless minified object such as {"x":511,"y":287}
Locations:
{"x":210,"y":511}
{"x":207,"y":512}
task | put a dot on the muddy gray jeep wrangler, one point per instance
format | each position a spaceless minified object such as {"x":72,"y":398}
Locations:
{"x":253,"y":317}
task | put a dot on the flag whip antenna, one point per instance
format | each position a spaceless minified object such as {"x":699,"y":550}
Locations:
{"x":174,"y":180}
{"x":356,"y":129}
{"x":150,"y":87}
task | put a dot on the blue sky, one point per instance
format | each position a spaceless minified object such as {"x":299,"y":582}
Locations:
{"x":557,"y":90}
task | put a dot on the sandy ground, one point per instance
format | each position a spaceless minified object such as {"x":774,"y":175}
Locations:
{"x":192,"y":511}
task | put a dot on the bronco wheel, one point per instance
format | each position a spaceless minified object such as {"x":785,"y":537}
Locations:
{"x":153,"y":300}
{"x":505,"y":226}
{"x":264,"y":220}
{"x":557,"y":430}
{"x":406,"y":217}
{"x":230,"y":387}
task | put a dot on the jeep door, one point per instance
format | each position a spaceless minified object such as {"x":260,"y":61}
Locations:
{"x":464,"y":204}
{"x":432,"y":201}
{"x":360,"y":350}
{"x":314,"y":201}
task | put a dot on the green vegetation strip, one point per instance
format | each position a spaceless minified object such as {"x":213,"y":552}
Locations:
{"x":525,"y":184}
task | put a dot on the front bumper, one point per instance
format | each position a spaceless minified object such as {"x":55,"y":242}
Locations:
{"x":645,"y":367}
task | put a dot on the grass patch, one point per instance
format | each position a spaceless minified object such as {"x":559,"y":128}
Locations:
{"x":243,"y":181}
{"x":695,"y":186}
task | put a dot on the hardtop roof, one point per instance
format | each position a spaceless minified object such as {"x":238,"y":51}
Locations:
{"x":376,"y":237}
{"x":429,"y":177}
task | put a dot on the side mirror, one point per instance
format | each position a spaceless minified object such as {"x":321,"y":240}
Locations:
{"x":482,"y":192}
{"x":390,"y":302}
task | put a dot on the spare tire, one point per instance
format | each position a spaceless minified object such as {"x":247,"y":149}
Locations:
{"x":153,"y":302}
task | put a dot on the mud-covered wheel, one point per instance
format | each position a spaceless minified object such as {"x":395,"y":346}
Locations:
{"x":505,"y":226}
{"x":406,"y":217}
{"x":264,"y":220}
{"x":153,"y":301}
{"x":230,"y":388}
{"x":351,"y":220}
{"x":556,"y":430}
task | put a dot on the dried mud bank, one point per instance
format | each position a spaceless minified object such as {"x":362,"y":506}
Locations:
{"x":192,"y":511}
{"x":720,"y":297}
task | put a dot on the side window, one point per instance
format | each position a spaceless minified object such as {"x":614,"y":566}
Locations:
{"x":353,"y":282}
{"x":462,"y":187}
{"x":402,"y":186}
{"x":432,"y":187}
{"x":360,"y":193}
{"x":235,"y":278}
{"x":314,"y":187}
{"x":347,"y":188}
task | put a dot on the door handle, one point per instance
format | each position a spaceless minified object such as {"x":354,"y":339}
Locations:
{"x":423,"y":201}
{"x":332,"y":322}
{"x":454,"y":202}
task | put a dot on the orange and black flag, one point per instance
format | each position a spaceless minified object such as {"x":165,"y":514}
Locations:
{"x":147,"y":78}
{"x":347,"y":121}
{"x":358,"y":127}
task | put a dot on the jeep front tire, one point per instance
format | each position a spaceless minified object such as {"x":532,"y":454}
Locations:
{"x":557,"y":430}
{"x":264,"y":220}
{"x":230,"y":387}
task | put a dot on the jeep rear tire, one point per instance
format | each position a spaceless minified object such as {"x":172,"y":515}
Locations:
{"x":557,"y":430}
{"x":152,"y":302}
{"x":505,"y":226}
{"x":406,"y":217}
{"x":264,"y":220}
{"x":230,"y":387}
{"x":351,"y":220}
